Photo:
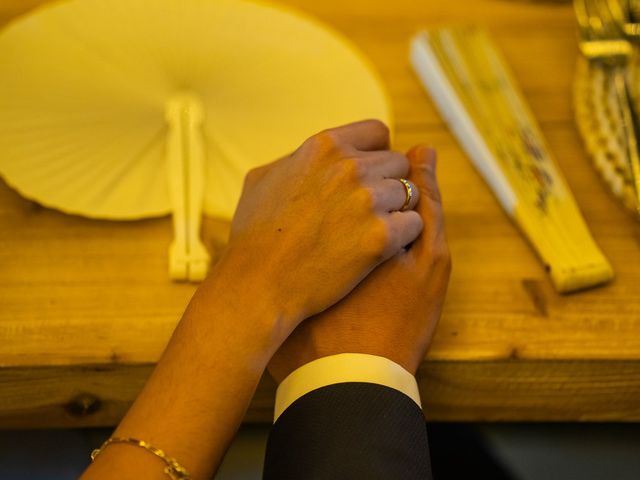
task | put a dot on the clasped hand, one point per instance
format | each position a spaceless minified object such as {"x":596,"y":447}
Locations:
{"x":311,"y":226}
{"x":322,"y":259}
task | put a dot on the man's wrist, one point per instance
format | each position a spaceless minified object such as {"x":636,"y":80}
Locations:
{"x":344,"y":368}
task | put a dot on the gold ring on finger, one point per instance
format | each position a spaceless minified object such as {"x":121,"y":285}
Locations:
{"x":408,"y":188}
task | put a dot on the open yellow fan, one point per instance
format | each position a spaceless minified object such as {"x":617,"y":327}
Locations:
{"x":124,"y":109}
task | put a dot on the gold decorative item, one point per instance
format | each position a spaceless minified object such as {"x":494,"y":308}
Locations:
{"x":606,"y":94}
{"x":126,"y":109}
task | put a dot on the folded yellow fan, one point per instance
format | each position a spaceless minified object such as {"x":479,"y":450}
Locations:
{"x":124,"y":109}
{"x":470,"y":84}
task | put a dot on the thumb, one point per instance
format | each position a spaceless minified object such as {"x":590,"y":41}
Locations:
{"x":422,"y":160}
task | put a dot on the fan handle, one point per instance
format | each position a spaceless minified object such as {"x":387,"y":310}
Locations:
{"x":188,"y":257}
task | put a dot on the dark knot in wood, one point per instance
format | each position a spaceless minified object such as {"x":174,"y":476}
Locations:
{"x":83,"y":405}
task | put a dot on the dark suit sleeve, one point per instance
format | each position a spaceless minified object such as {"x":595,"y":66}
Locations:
{"x":349,"y":431}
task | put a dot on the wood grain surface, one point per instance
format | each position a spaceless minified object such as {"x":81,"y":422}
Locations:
{"x":86,"y":306}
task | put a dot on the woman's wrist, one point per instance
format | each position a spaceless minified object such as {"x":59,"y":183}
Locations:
{"x":240,"y":300}
{"x":206,"y":377}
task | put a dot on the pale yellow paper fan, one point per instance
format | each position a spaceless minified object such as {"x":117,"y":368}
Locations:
{"x":124,"y":109}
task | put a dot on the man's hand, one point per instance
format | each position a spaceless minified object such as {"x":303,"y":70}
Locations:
{"x":394,"y":311}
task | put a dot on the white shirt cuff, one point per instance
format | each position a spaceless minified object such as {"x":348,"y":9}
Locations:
{"x":344,"y":368}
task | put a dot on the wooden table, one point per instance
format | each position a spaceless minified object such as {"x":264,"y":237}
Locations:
{"x":86,"y":306}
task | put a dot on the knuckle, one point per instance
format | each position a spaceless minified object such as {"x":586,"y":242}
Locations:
{"x":378,"y":239}
{"x":326,"y":138}
{"x":353,"y":169}
{"x":310,"y":144}
{"x":366,"y":199}
{"x":379,"y":125}
{"x":323,"y":143}
{"x":358,"y":167}
{"x":313,"y":144}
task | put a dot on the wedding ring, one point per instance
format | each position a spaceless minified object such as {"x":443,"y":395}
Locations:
{"x":409,"y":193}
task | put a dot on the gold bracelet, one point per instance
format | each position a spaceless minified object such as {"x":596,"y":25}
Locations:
{"x":173,"y":468}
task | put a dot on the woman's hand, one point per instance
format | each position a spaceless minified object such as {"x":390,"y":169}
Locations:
{"x":394,"y":311}
{"x":309,"y":227}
